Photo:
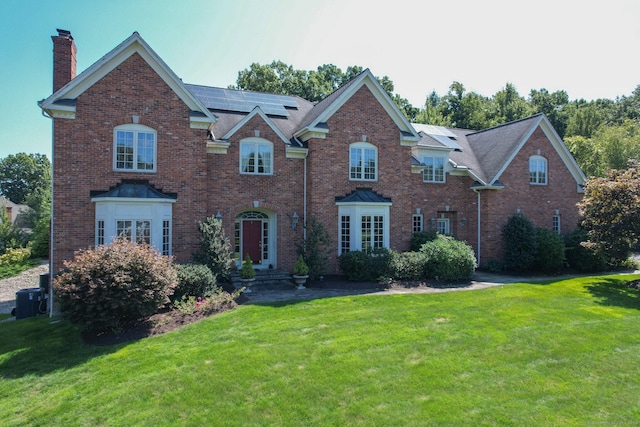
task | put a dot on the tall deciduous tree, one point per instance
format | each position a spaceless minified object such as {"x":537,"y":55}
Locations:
{"x":611,"y":211}
{"x":609,"y":148}
{"x":24,"y":174}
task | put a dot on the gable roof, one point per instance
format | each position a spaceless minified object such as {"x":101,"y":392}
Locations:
{"x":485,"y":155}
{"x":61,"y":103}
{"x":496,"y":148}
{"x":314,"y":124}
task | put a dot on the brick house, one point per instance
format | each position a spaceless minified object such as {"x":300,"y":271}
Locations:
{"x":138,"y":152}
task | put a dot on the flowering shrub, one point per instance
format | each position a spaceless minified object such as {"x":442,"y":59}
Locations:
{"x":110,"y":287}
{"x":15,"y":256}
{"x":190,"y":305}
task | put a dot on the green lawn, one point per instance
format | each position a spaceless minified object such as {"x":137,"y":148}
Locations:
{"x":560,"y":353}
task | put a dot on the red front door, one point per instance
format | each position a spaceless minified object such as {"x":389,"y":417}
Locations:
{"x":252,"y":240}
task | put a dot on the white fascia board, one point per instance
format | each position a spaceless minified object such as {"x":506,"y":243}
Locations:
{"x":297,"y":152}
{"x":106,"y":64}
{"x":369,"y":80}
{"x":257,"y":111}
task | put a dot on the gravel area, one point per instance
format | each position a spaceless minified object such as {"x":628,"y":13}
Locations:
{"x":27,"y":279}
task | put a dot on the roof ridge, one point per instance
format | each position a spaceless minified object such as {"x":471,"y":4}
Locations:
{"x":506,"y":124}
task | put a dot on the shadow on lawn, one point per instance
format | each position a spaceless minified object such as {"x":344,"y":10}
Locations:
{"x":40,"y":346}
{"x":614,"y":292}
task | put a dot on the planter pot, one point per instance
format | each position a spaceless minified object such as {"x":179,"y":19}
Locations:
{"x":300,"y":281}
{"x":246,"y":283}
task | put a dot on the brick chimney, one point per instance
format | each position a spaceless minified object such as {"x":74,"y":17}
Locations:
{"x":64,"y":59}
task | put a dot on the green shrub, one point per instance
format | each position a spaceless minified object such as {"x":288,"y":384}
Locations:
{"x":549,"y":257}
{"x":494,"y":266}
{"x":110,"y":287}
{"x":247,"y":271}
{"x":301,"y":268}
{"x":519,"y":238}
{"x":407,"y":265}
{"x":448,"y":259}
{"x":316,"y":247}
{"x":194,"y":280}
{"x":580,"y":257}
{"x":360,"y":266}
{"x":419,"y":238}
{"x":215,"y":249}
{"x":15,"y":256}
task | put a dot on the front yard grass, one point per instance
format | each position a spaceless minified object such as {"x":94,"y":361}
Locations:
{"x":558,"y":353}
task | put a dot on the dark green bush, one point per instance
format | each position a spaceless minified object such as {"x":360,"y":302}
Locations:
{"x":359,"y":266}
{"x":407,"y":265}
{"x":419,"y":238}
{"x":582,"y":258}
{"x":550,"y":250}
{"x":448,"y":259}
{"x":110,"y":287}
{"x":215,"y":248}
{"x":519,"y":238}
{"x":195,"y":280}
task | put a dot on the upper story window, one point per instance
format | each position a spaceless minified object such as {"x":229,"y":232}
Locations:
{"x":537,"y":170}
{"x":363,"y":162}
{"x":433,"y":170}
{"x":135,"y":148}
{"x":256,"y":156}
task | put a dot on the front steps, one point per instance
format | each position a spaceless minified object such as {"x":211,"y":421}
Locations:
{"x":274,"y":279}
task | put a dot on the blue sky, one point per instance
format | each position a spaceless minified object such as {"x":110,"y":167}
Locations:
{"x":586,"y":47}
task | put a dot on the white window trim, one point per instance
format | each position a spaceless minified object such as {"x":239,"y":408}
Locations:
{"x":135,"y":128}
{"x":446,"y":226}
{"x":356,"y":211}
{"x":256,"y":142}
{"x":445,"y":161}
{"x":538,"y":158}
{"x":362,"y":146}
{"x":112,"y":210}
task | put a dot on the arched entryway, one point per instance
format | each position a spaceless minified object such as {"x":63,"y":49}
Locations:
{"x":255,"y":235}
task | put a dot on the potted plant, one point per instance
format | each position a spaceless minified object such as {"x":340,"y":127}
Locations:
{"x":247,"y":273}
{"x":300,"y":272}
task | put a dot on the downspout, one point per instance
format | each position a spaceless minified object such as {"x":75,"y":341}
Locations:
{"x":479,"y":212}
{"x":51,"y":222}
{"x":304,"y":200}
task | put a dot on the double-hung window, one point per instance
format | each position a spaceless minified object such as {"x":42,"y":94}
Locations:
{"x":363,"y":228}
{"x":433,"y":169}
{"x":363,"y":162}
{"x":256,"y":156}
{"x":134,"y":148}
{"x":537,"y":170}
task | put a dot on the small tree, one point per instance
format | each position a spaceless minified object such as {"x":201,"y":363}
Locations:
{"x":315,"y":248}
{"x":215,"y":251}
{"x":519,"y":237}
{"x":611,"y":211}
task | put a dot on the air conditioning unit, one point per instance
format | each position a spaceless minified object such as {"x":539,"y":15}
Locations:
{"x":29,"y":302}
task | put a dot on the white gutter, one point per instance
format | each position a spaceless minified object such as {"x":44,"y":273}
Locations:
{"x":304,"y":201}
{"x":51,"y":224}
{"x":479,"y":217}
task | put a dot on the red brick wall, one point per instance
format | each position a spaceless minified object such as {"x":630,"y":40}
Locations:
{"x":83,"y":156}
{"x":231,"y":193}
{"x":536,"y":202}
{"x":329,"y":167}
